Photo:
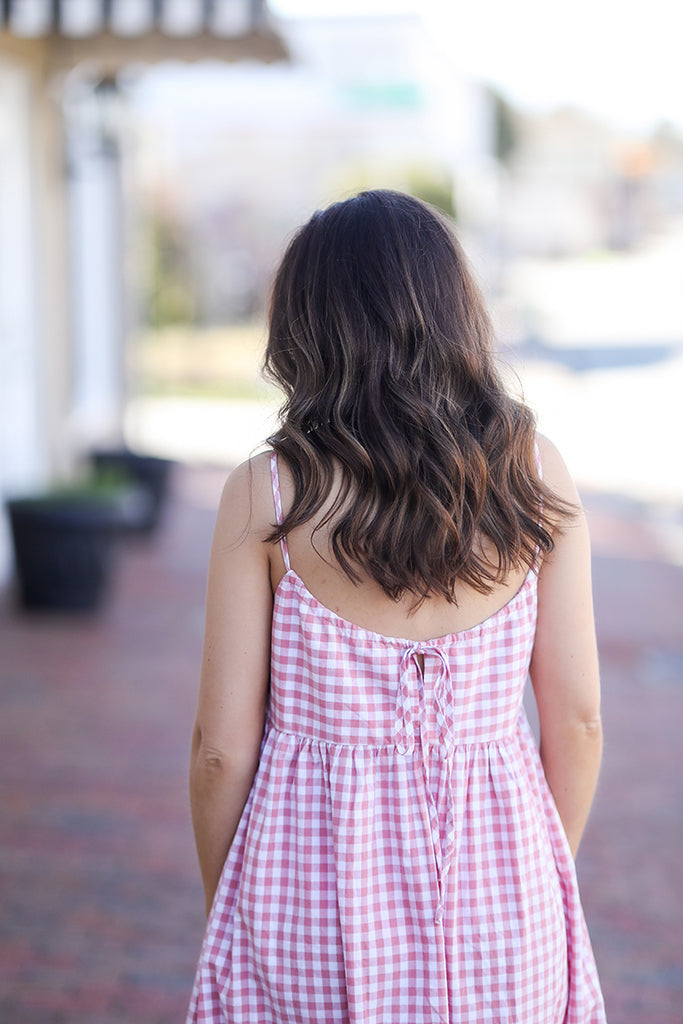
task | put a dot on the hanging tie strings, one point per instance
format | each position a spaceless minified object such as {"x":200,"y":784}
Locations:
{"x":427,"y":712}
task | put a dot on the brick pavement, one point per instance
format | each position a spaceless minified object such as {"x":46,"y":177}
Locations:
{"x":101,"y":901}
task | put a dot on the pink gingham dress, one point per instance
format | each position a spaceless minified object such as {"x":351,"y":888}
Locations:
{"x":400,"y":859}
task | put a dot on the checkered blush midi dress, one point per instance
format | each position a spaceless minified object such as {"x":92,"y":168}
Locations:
{"x":400,"y":859}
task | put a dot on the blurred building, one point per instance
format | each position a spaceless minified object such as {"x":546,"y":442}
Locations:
{"x":572,"y":184}
{"x":62,"y":296}
{"x":364,"y":102}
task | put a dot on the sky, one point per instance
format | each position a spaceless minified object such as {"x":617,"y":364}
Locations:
{"x":620,"y":61}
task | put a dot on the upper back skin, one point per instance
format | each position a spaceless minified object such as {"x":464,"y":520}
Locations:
{"x":365,"y":604}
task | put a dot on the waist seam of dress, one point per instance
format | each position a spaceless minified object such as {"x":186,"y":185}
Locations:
{"x":496,"y":741}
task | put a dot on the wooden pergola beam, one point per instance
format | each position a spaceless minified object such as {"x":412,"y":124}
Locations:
{"x":111,"y":51}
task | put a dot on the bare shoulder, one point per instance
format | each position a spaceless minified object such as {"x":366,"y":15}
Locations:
{"x":556,"y":476}
{"x":570,"y":532}
{"x":246,"y":511}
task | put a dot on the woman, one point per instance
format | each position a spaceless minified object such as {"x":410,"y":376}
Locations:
{"x":378,"y":837}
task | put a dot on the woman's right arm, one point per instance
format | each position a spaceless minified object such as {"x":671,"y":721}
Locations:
{"x":564,"y":666}
{"x":235,"y":669}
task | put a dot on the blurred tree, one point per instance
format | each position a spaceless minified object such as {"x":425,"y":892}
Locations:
{"x":505,"y":127}
{"x":430,"y":182}
{"x":170,"y":299}
{"x":434,"y":188}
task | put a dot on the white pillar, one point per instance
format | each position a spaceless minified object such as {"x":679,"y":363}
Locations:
{"x":97,"y":294}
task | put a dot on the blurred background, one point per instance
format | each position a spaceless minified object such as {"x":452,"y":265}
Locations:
{"x":155,"y":157}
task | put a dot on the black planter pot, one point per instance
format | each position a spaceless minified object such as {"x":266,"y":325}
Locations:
{"x":150,"y":473}
{"x":64,"y":549}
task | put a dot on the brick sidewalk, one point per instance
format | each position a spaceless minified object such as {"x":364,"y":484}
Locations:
{"x":102,"y":905}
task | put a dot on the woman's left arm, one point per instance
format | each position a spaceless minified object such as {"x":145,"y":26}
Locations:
{"x":235,"y":669}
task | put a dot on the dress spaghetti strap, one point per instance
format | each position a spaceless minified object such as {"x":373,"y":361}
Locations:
{"x":277,"y":499}
{"x":539,"y":464}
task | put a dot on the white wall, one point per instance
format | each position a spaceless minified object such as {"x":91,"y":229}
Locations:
{"x":23,"y":454}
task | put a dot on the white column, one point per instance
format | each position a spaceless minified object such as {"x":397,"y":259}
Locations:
{"x":95,"y":228}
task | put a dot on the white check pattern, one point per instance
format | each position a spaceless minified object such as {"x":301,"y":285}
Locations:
{"x":400,"y":859}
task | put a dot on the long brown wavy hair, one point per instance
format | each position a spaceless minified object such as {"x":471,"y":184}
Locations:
{"x":381,"y":341}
